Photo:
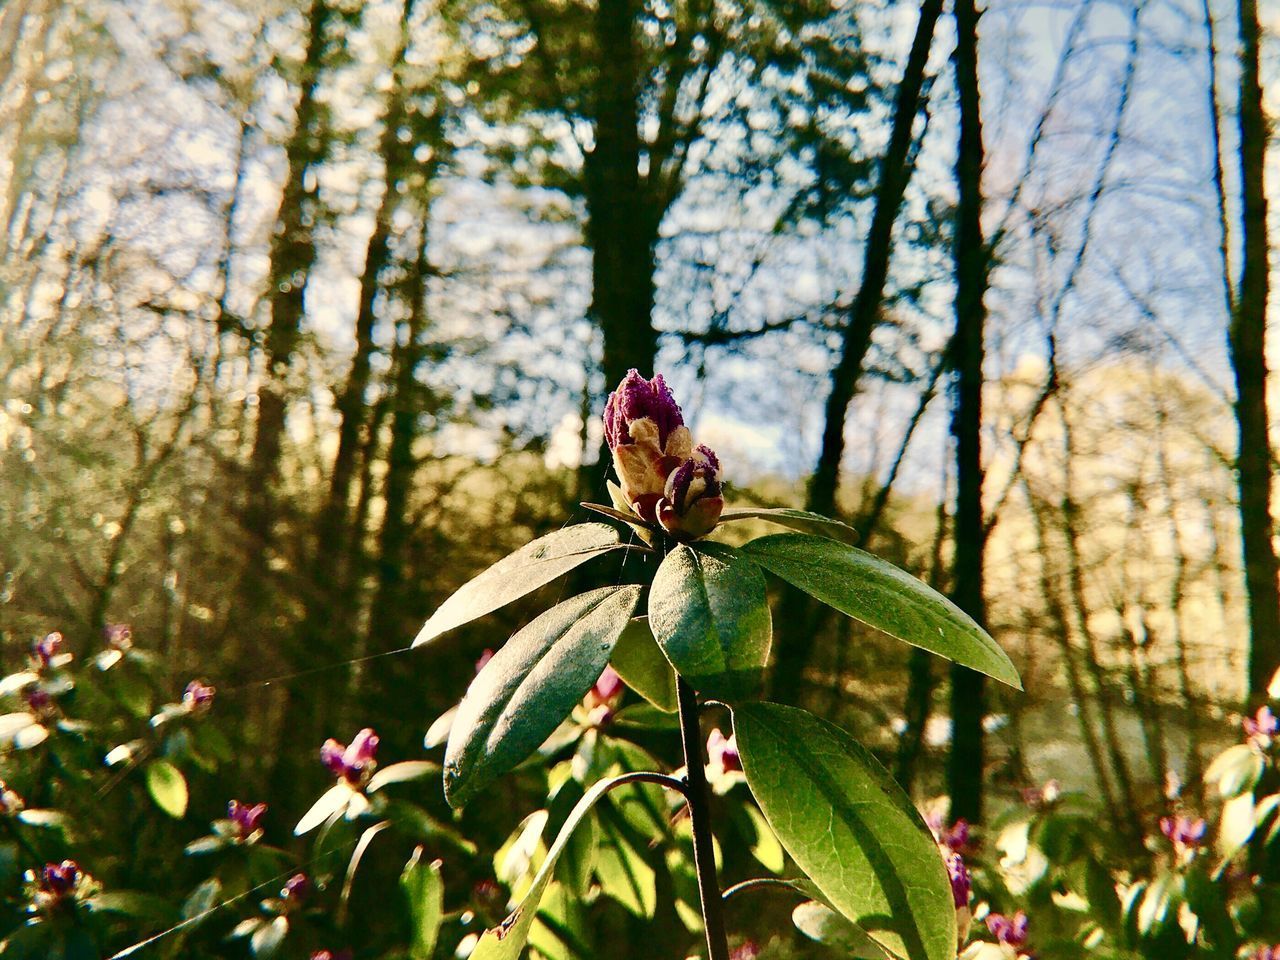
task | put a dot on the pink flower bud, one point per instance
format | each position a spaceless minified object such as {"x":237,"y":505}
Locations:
{"x":198,"y":696}
{"x":722,"y":752}
{"x":692,"y":497}
{"x":354,"y":762}
{"x":648,"y":439}
{"x":248,"y":819}
{"x":1010,"y":931}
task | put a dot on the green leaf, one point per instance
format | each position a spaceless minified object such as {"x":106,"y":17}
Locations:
{"x":532,"y":566}
{"x":424,"y":889}
{"x":623,"y":873}
{"x":168,"y":788}
{"x":642,"y":666}
{"x":506,"y":941}
{"x":882,"y":596}
{"x":530,"y":685}
{"x":819,"y":922}
{"x":577,"y":861}
{"x":709,"y":612}
{"x":144,"y":906}
{"x":334,"y":800}
{"x":401,"y":773}
{"x":268,"y":938}
{"x":801,"y":520}
{"x":851,"y":829}
{"x":1235,"y":770}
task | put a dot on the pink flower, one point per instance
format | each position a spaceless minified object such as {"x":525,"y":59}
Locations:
{"x":47,"y":649}
{"x":296,"y":889}
{"x":248,"y":819}
{"x":1261,"y":728}
{"x":1011,"y":931}
{"x":118,"y":636}
{"x":603,"y":698}
{"x":59,"y":879}
{"x":198,"y":697}
{"x":958,"y":874}
{"x":747,"y":950}
{"x":722,"y":752}
{"x":354,"y":762}
{"x":1045,"y":796}
{"x":1184,"y":833}
{"x":954,"y":838}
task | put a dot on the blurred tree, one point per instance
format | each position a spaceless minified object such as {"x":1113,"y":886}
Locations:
{"x":1248,"y":340}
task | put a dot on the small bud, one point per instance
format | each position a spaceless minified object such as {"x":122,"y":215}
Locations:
{"x":10,"y":802}
{"x":248,"y":819}
{"x":722,"y":752}
{"x":354,"y":762}
{"x":119,"y":637}
{"x":59,"y":879}
{"x":198,"y":697}
{"x":296,"y":889}
{"x":692,"y":497}
{"x":48,"y":650}
{"x":1184,"y":833}
{"x":1261,"y":728}
{"x":1010,"y":931}
{"x":603,"y":698}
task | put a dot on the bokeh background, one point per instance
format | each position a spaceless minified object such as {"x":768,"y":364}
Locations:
{"x":308,"y":311}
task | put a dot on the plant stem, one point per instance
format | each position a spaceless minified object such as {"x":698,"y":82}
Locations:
{"x":699,"y":800}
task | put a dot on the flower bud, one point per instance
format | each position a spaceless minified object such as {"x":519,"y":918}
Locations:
{"x":1261,"y":728}
{"x":59,"y":879}
{"x":297,"y":888}
{"x":691,"y":502}
{"x":119,"y":636}
{"x":722,"y":752}
{"x":197,"y":697}
{"x":603,"y":698}
{"x":248,"y":819}
{"x":648,"y":439}
{"x":353,"y":762}
{"x":1010,"y":931}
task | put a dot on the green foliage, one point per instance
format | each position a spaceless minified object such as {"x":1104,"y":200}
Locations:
{"x":882,"y":596}
{"x":709,"y":613}
{"x":849,"y":827}
{"x":531,"y":685}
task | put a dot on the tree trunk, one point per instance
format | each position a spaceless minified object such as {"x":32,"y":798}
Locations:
{"x":292,"y":256}
{"x":798,"y":619}
{"x":388,"y":629}
{"x":333,"y":606}
{"x":622,"y":222}
{"x":1247,"y":337}
{"x":966,"y":760}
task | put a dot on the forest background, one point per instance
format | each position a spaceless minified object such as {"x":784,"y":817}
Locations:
{"x":308,"y":312}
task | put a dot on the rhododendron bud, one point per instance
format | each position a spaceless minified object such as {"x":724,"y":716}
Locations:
{"x":692,"y":497}
{"x":648,"y":439}
{"x":297,"y":888}
{"x":958,"y":874}
{"x":603,"y":697}
{"x":353,"y":762}
{"x":1184,"y":833}
{"x":198,"y":697}
{"x":722,"y":751}
{"x":59,"y":879}
{"x":1261,"y":728}
{"x":119,"y":636}
{"x":47,"y":651}
{"x":1010,"y":931}
{"x":248,"y":819}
